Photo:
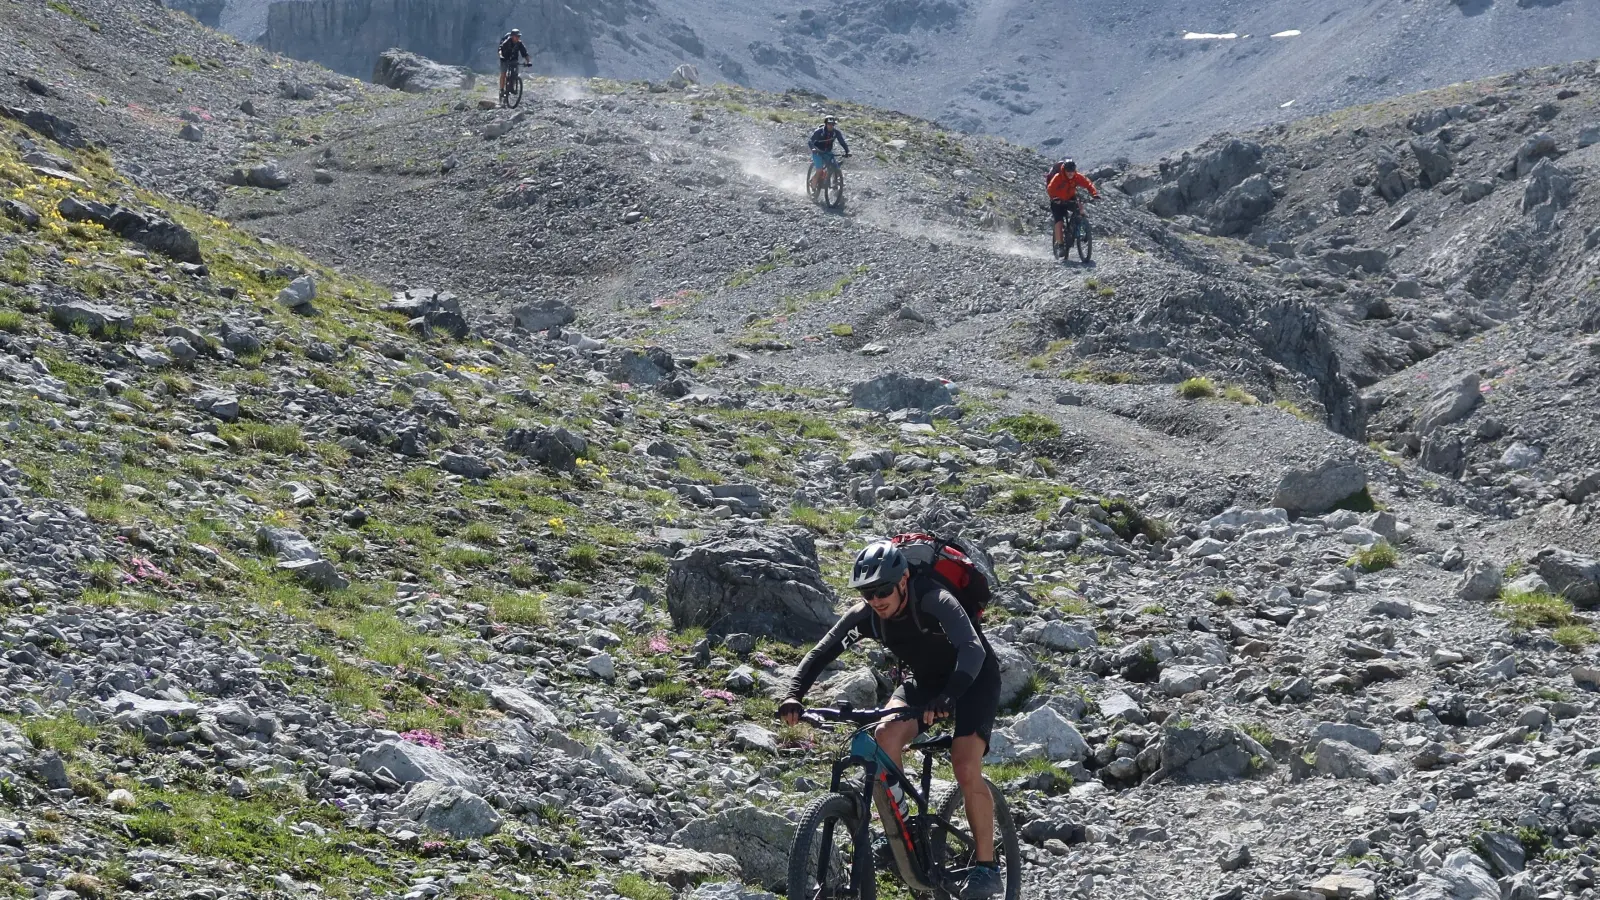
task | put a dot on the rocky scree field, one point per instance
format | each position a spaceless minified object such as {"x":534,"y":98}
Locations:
{"x":362,"y":552}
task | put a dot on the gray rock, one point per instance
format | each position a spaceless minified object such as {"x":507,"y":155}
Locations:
{"x":1444,"y":453}
{"x":520,"y":703}
{"x":415,"y":74}
{"x":1480,"y":583}
{"x":682,"y":868}
{"x":1534,"y":150}
{"x":449,"y":810}
{"x":192,"y":132}
{"x":1476,"y":189}
{"x":899,"y":391}
{"x":1550,"y":186}
{"x":1049,"y":729}
{"x":1310,"y":492}
{"x":1061,"y":636}
{"x":267,"y":176}
{"x":554,"y":448}
{"x":1503,"y":851}
{"x":1342,"y":760}
{"x":757,"y":839}
{"x":1462,"y":877}
{"x":465,"y":466}
{"x":301,"y":558}
{"x":1572,"y":575}
{"x":543,"y":315}
{"x":99,"y":319}
{"x":1209,"y":752}
{"x":17,"y":211}
{"x":1433,"y":157}
{"x":749,"y":736}
{"x":409,"y":763}
{"x":620,"y":769}
{"x":1366,"y":739}
{"x":728,"y":890}
{"x":1454,"y":402}
{"x":1520,"y":456}
{"x":647,"y":367}
{"x":1016,"y":671}
{"x":858,"y":687}
{"x":1588,"y":136}
{"x":760,"y":581}
{"x":222,"y":404}
{"x":299,"y":294}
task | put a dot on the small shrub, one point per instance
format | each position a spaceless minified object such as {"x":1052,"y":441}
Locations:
{"x":1235,"y":394}
{"x":524,"y":576}
{"x":669,"y":691}
{"x":481,"y":533}
{"x":1260,"y":733}
{"x":10,"y":321}
{"x":584,"y":556}
{"x":841,"y":330}
{"x":651,"y":563}
{"x":1295,"y":411}
{"x":518,"y":608}
{"x":1197,"y":388}
{"x":1376,"y":558}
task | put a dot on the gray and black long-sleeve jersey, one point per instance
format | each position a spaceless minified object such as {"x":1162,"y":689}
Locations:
{"x":945,"y":654}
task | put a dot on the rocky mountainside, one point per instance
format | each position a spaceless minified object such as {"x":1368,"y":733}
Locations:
{"x":1096,"y":81}
{"x":403,"y":497}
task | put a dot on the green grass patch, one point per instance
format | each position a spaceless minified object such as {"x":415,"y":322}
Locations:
{"x":62,"y":733}
{"x":256,"y":836}
{"x":1235,"y":394}
{"x":1028,"y":427}
{"x":1527,"y":610}
{"x":672,"y":691}
{"x":1574,"y":637}
{"x":841,"y":330}
{"x":1376,"y":558}
{"x":11,"y":321}
{"x":585,"y":557}
{"x":283,"y":440}
{"x":1295,"y":411}
{"x":636,"y":887}
{"x":1197,"y":388}
{"x":518,"y":608}
{"x":832,"y":523}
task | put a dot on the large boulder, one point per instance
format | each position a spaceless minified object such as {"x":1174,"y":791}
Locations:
{"x":1451,"y":403}
{"x":417,"y":75}
{"x":763,"y":581}
{"x":1572,"y":575}
{"x":98,"y":319}
{"x":1049,"y":730}
{"x":1192,"y":184}
{"x":409,"y":763}
{"x":899,"y":391}
{"x":1434,"y":159}
{"x":1480,"y":583}
{"x":543,"y":315}
{"x":1202,"y":752}
{"x":429,"y":310}
{"x":757,"y":839}
{"x":1312,"y":492}
{"x":449,"y":810}
{"x":1238,"y":210}
{"x":555,"y":448}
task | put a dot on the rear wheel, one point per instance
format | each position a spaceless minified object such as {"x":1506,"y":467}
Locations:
{"x":1085,"y":241}
{"x":811,"y":183}
{"x":953,"y":854}
{"x":826,"y":857}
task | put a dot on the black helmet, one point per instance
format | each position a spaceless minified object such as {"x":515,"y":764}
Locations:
{"x":1069,"y":165}
{"x":879,"y":563}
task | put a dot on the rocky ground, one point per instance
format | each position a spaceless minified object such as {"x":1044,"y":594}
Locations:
{"x":405,"y":498}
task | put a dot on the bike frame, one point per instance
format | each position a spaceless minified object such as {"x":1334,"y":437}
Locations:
{"x":909,"y":843}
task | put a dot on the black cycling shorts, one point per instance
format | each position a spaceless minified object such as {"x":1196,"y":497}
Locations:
{"x":975,"y":710}
{"x":1060,"y":209}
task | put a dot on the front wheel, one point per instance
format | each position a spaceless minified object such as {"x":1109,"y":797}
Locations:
{"x":832,"y":854}
{"x":833,"y":188}
{"x":953,"y":854}
{"x":811,"y":183}
{"x":513,"y":90}
{"x":1085,"y":241}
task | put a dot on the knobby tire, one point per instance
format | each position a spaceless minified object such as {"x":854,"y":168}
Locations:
{"x":828,"y":830}
{"x":948,"y":851}
{"x":1085,"y":241}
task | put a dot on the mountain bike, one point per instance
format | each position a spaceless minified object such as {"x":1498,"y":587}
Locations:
{"x":831,"y":191}
{"x":1077,"y":233}
{"x":832,"y":857}
{"x":511,"y":92}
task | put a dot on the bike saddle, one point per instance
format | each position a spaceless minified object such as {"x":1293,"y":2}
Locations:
{"x":942,"y":742}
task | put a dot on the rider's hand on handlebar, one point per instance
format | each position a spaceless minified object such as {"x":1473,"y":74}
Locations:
{"x":941,"y":707}
{"x":790,"y":710}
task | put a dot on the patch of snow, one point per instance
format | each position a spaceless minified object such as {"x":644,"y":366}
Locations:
{"x":1293,"y":32}
{"x":1207,"y":36}
{"x":1286,"y":105}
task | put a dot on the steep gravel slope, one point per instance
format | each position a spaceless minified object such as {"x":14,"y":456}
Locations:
{"x":312,"y":587}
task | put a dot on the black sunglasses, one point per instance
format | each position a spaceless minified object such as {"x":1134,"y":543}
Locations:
{"x":878,"y":593}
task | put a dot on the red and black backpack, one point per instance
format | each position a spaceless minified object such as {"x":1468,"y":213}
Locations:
{"x":948,"y":563}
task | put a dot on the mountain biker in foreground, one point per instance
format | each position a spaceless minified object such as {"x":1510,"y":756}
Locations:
{"x":511,"y":46}
{"x":822,"y":149}
{"x":953,"y":672}
{"x":1062,"y":184}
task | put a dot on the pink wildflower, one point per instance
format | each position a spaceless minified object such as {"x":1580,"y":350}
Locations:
{"x":424,"y":737}
{"x":716,"y":694}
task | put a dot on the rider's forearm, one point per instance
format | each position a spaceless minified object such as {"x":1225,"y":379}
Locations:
{"x":826,"y":651}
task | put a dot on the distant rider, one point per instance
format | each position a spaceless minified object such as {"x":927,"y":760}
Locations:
{"x":822,"y":149}
{"x":511,"y":46}
{"x":1063,"y":183}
